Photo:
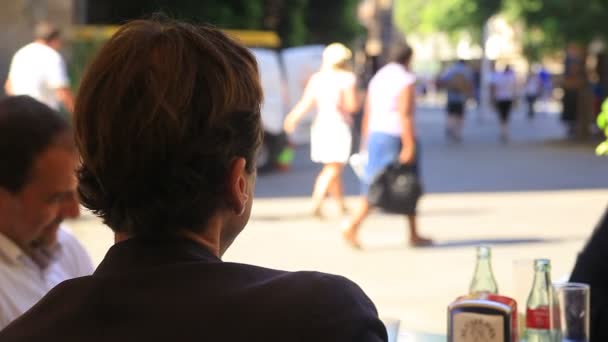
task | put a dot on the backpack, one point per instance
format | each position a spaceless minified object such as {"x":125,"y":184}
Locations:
{"x":460,"y":84}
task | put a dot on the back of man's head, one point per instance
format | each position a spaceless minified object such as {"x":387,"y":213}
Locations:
{"x":161,"y":112}
{"x":46,"y":31}
{"x":27,"y":129}
{"x":401,"y":53}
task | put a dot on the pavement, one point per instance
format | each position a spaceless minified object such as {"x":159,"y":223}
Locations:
{"x":536,"y":196}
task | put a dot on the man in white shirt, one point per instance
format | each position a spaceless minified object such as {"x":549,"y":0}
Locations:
{"x":37,"y":192}
{"x":38,"y":70}
{"x":503,"y":90}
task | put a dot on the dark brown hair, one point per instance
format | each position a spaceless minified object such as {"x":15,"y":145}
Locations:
{"x":161,"y":112}
{"x":27,"y":129}
{"x":401,"y":53}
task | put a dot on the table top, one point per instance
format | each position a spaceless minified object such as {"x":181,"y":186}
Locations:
{"x":417,"y":336}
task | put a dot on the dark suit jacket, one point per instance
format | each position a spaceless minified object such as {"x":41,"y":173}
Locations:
{"x":173,"y":289}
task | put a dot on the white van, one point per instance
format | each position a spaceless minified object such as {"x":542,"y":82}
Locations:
{"x":283,"y":76}
{"x":300,"y":63}
{"x":273,"y":109}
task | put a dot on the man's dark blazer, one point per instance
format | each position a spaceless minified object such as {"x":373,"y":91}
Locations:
{"x":173,"y":289}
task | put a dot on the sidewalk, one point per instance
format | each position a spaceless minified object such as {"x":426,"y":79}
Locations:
{"x":533,"y":197}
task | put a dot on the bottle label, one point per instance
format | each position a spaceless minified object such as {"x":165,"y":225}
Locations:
{"x":538,"y":318}
{"x":474,"y":327}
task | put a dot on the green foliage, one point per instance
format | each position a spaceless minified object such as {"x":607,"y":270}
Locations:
{"x":602,"y":123}
{"x":451,"y":16}
{"x":565,"y":20}
{"x":331,"y":21}
{"x":292,"y":25}
{"x":297,"y":21}
{"x":550,"y":23}
{"x":242,"y":14}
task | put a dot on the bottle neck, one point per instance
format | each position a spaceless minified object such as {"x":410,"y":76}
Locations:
{"x":483,"y":278}
{"x":484,"y":265}
{"x":542,"y":280}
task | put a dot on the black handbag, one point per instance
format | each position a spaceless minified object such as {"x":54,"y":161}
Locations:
{"x":396,"y":189}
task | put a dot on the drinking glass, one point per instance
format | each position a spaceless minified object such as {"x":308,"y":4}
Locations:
{"x":574,"y":311}
{"x":392,"y":328}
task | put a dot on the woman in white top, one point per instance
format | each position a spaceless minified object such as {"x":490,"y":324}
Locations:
{"x":332,"y":90}
{"x":388,"y":134}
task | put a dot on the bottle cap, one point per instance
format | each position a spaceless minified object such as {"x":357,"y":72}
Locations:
{"x":542,"y":264}
{"x":483,"y":251}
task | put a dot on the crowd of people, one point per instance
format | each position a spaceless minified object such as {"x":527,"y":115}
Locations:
{"x":168,"y":161}
{"x":462,"y":84}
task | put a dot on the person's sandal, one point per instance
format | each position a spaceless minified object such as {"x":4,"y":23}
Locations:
{"x":421,"y":242}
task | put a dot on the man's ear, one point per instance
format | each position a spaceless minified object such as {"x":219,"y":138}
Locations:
{"x":238,"y":194}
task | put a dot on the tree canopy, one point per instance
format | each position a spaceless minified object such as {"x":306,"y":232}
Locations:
{"x":549,"y":24}
{"x":423,"y":16}
{"x":296,"y":21}
{"x":557,"y":22}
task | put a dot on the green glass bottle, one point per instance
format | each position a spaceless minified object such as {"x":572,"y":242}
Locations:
{"x":483,"y":279}
{"x":542,"y":322}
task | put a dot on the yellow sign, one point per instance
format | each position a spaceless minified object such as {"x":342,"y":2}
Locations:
{"x":256,"y":38}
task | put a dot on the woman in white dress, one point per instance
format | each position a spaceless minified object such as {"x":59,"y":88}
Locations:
{"x":332,"y":90}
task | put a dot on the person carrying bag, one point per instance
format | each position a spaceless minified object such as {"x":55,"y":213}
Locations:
{"x":390,"y":179}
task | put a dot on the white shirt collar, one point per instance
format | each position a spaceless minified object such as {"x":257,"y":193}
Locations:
{"x":10,"y":250}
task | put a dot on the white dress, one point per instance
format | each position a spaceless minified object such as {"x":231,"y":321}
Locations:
{"x":330,"y":134}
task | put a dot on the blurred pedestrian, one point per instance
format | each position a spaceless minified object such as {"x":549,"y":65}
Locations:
{"x":332,"y":90}
{"x":533,"y":89}
{"x":503,"y":89}
{"x":38,"y":70}
{"x":575,"y":86}
{"x":458,"y":80}
{"x":37,"y":192}
{"x":388,"y":134}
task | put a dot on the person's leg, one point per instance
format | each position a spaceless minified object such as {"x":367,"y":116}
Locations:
{"x":336,"y":189}
{"x":317,"y":196}
{"x":415,"y":239}
{"x":349,"y":232}
{"x":503,"y":112}
{"x":325,"y":178}
{"x":531,"y":101}
{"x":454,"y":127}
{"x":449,"y":123}
{"x":459,"y":117}
{"x":456,"y":121}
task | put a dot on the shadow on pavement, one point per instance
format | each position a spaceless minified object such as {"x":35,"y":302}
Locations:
{"x":300,"y":216}
{"x":451,"y":212}
{"x":444,"y":244}
{"x":492,"y":242}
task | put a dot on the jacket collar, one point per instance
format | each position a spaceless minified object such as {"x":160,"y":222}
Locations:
{"x":141,"y":252}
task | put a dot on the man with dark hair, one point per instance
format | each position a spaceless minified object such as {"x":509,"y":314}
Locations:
{"x":37,"y":191}
{"x":38,"y":70}
{"x":168,"y":127}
